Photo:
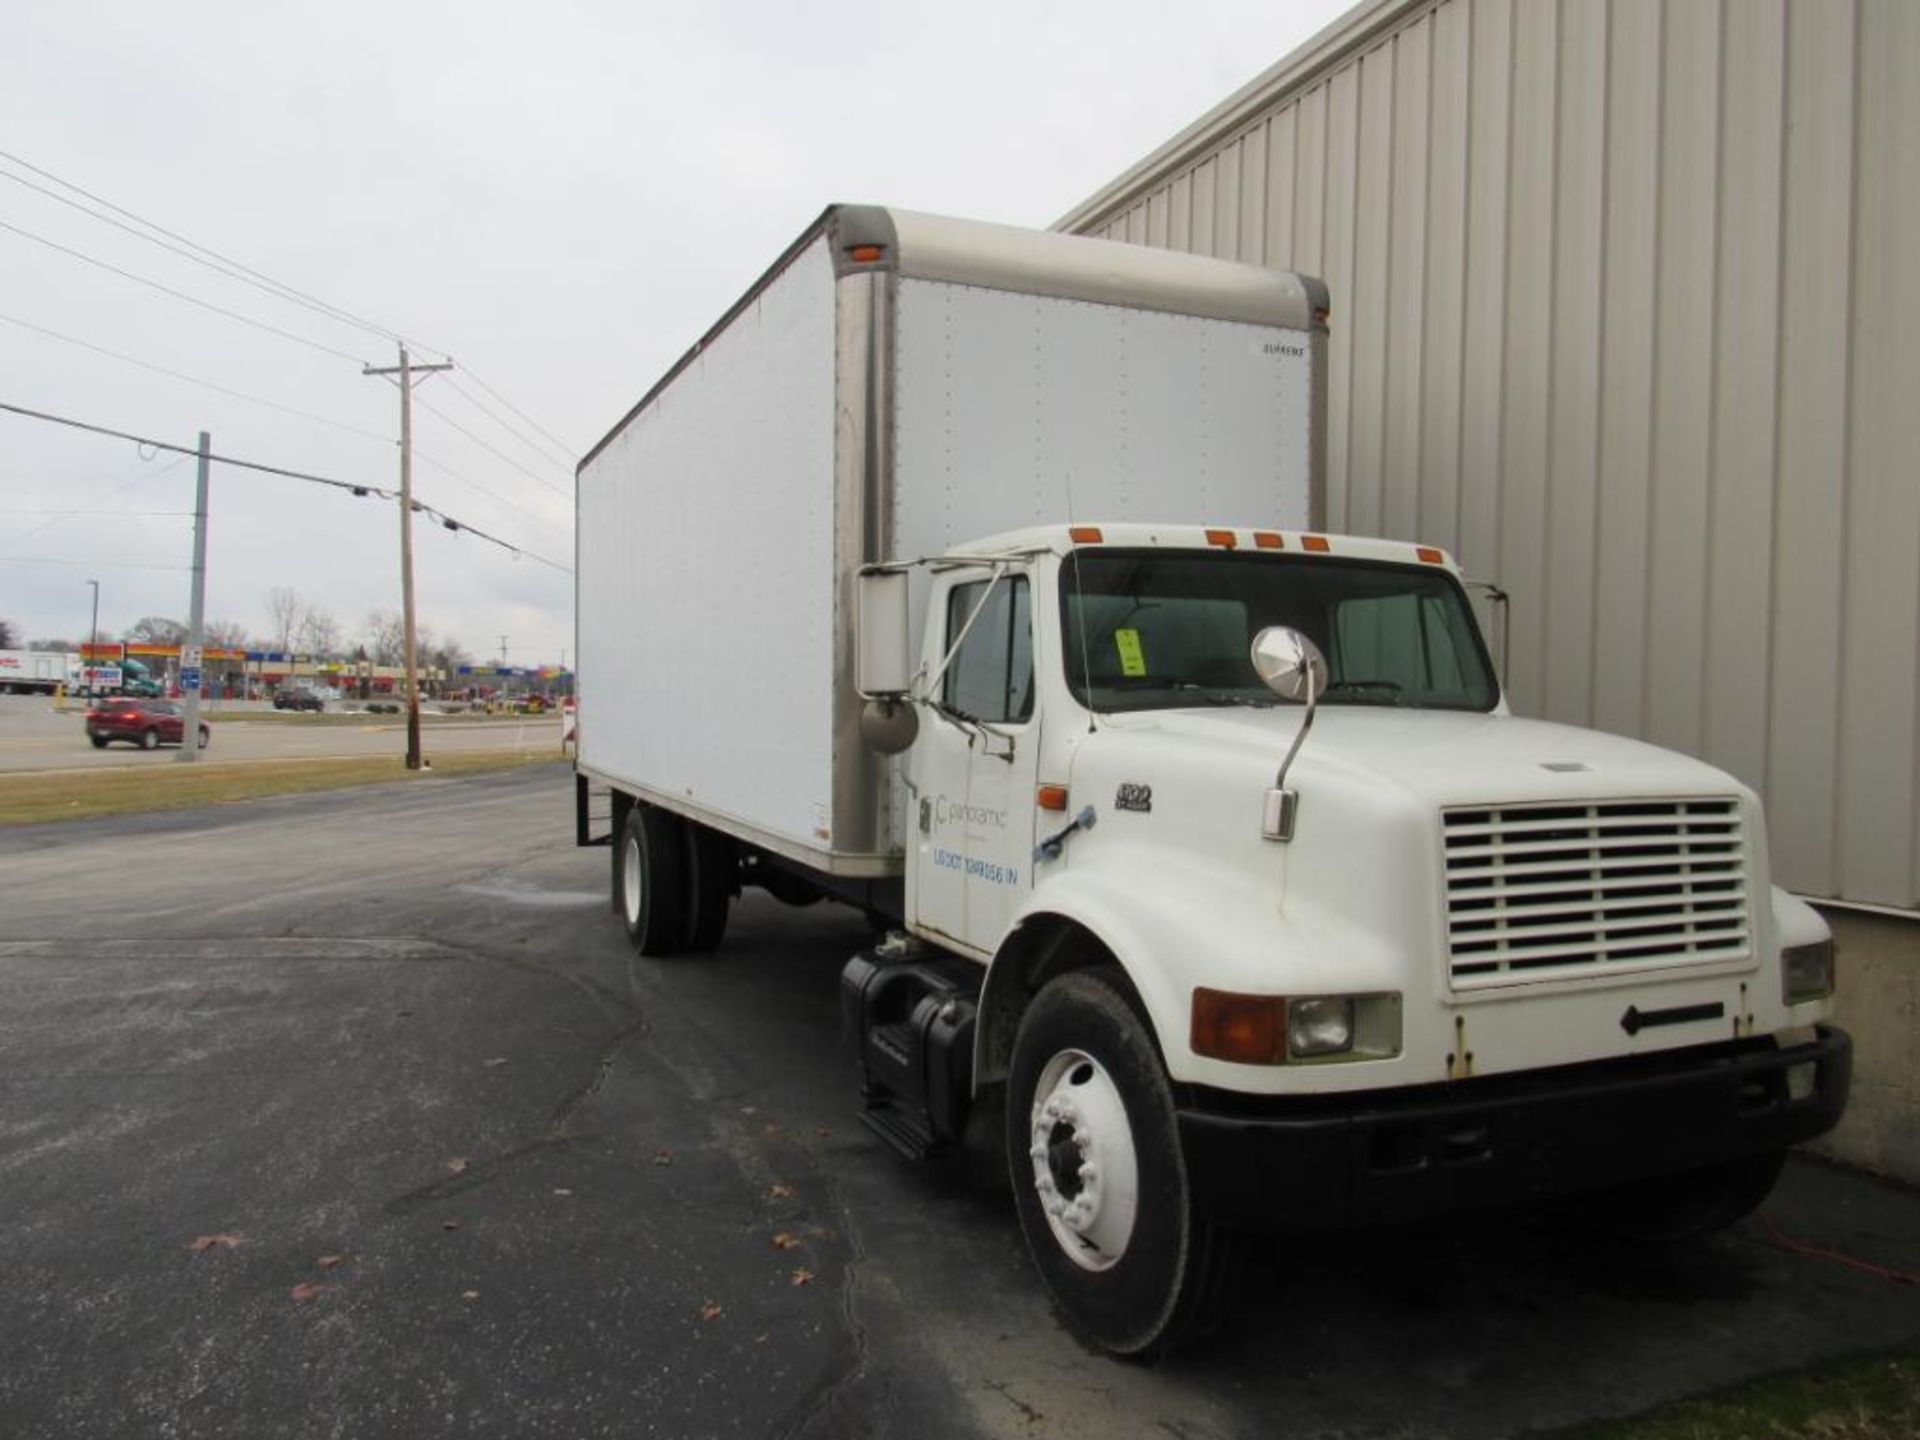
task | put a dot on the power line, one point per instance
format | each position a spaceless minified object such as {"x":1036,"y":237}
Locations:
{"x":86,"y":564}
{"x":566,"y":449}
{"x":231,"y":393}
{"x":113,"y":489}
{"x":234,"y":268}
{"x":214,"y":386}
{"x":495,"y":451}
{"x":487,"y":410}
{"x":446,"y":520}
{"x":179,"y":294}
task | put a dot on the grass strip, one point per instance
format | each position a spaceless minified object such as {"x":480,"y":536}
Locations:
{"x":31,"y":799}
{"x":1871,"y":1398}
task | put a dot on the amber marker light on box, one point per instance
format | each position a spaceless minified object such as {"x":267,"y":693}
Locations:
{"x":864,"y":254}
{"x":1084,"y":534}
{"x":1316,"y":543}
{"x":1268,"y":540}
{"x":1246,"y":1029}
{"x":1051,"y":797}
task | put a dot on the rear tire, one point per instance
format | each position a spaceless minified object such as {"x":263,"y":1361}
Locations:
{"x":653,"y":880}
{"x":712,"y":879}
{"x":149,"y":739}
{"x":1673,"y":1208}
{"x":99,"y":741}
{"x":206,"y":737}
{"x":1099,"y":1180}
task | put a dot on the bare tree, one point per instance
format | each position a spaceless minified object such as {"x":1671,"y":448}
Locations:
{"x":385,"y":637}
{"x":65,"y":646}
{"x":319,"y":632}
{"x":9,"y":635}
{"x":224,"y":635}
{"x":157,"y":630}
{"x":288,"y":611}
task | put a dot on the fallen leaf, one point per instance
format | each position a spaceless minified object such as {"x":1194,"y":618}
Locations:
{"x":562,"y":1190}
{"x":770,"y":1128}
{"x":780,"y":1192}
{"x":803,"y":1276}
{"x":710,"y":1310}
{"x":762,"y":1338}
{"x":305,"y":1291}
{"x":469,"y":1295}
{"x":497,"y":1060}
{"x":327,"y":1262}
{"x":785,"y":1241}
{"x":457,"y":1165}
{"x":663,"y":1157}
{"x":206,"y":1242}
{"x":824,"y":1133}
{"x":449,"y":1224}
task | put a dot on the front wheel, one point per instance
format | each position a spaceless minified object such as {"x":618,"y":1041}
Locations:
{"x":205,"y":736}
{"x":1093,"y":1148}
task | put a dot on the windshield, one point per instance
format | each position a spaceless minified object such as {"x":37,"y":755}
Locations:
{"x":1153,"y":629}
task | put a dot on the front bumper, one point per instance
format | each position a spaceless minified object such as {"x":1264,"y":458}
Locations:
{"x":1357,"y":1159}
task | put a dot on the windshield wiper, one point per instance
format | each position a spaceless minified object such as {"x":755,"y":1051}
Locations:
{"x":1214,"y":695}
{"x":1366,"y":692}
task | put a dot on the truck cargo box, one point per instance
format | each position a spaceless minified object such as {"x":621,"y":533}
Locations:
{"x":895,"y":384}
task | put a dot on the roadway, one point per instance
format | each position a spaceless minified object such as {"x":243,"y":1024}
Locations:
{"x":35,"y":734}
{"x":353,"y":1114}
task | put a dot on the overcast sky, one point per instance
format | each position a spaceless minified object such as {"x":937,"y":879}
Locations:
{"x":560,"y":196}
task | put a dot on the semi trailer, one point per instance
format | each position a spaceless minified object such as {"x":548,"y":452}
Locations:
{"x":979,"y":578}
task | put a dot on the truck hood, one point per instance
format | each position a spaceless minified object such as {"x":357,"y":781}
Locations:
{"x":1436,"y":757}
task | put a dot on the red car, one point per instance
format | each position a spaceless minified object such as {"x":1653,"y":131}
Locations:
{"x":139,"y":722}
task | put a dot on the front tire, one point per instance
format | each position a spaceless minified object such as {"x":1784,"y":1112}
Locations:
{"x":652,"y":886}
{"x":1099,"y":1180}
{"x":206,"y":736}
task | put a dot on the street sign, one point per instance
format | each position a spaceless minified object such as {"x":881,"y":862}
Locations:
{"x":189,"y":657}
{"x":189,"y":677}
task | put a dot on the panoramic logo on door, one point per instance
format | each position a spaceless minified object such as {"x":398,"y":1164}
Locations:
{"x":971,"y":817}
{"x":1131,"y":796}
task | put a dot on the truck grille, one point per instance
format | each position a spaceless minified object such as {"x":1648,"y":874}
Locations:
{"x":1545,"y":892}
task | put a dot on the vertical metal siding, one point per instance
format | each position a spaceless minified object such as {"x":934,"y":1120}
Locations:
{"x":1625,"y":308}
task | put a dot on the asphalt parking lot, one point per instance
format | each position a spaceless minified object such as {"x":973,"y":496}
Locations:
{"x":352,"y":1115}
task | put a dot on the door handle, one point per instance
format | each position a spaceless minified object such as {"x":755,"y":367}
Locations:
{"x":1050,"y":848}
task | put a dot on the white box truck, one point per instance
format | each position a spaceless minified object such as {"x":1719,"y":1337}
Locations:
{"x":975,"y":577}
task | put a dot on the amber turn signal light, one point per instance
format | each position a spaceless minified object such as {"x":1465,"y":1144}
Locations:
{"x":1246,"y":1029}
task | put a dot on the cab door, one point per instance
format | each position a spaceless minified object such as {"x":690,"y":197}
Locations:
{"x":975,"y":763}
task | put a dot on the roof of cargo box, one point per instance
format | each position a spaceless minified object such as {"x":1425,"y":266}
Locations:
{"x":1030,"y":262}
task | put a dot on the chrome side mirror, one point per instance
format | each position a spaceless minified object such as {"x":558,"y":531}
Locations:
{"x":1289,"y":664}
{"x":1293,"y":668}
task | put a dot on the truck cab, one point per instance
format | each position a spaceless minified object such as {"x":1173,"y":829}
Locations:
{"x":1360,"y":949}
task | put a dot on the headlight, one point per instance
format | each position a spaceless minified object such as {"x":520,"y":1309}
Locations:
{"x":1279,"y":1029}
{"x":1319,"y":1025}
{"x":1806,"y":972}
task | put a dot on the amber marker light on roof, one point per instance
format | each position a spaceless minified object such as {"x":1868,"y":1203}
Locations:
{"x":1316,"y":543}
{"x":1431,"y":555}
{"x":1246,"y":1029}
{"x":1224,"y":538}
{"x":1268,"y":540}
{"x":1051,"y":797}
{"x":864,"y":254}
{"x":1084,"y":534}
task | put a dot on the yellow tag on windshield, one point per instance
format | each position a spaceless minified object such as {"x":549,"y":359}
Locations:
{"x":1132,"y":660}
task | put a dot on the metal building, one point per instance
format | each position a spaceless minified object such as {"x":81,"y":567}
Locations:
{"x":1626,"y":296}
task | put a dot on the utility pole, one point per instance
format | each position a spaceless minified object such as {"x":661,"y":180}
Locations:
{"x":88,"y":663}
{"x":406,"y":370}
{"x":190,"y":670}
{"x":503,"y":650}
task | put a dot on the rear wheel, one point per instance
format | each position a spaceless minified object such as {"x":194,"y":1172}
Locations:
{"x":149,"y":739}
{"x":712,"y":878}
{"x":653,"y":880}
{"x":1098,"y":1177}
{"x":205,"y":736}
{"x":99,"y":741}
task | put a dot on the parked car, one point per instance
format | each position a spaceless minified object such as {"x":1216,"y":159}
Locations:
{"x":146,"y":723}
{"x":299,"y":700}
